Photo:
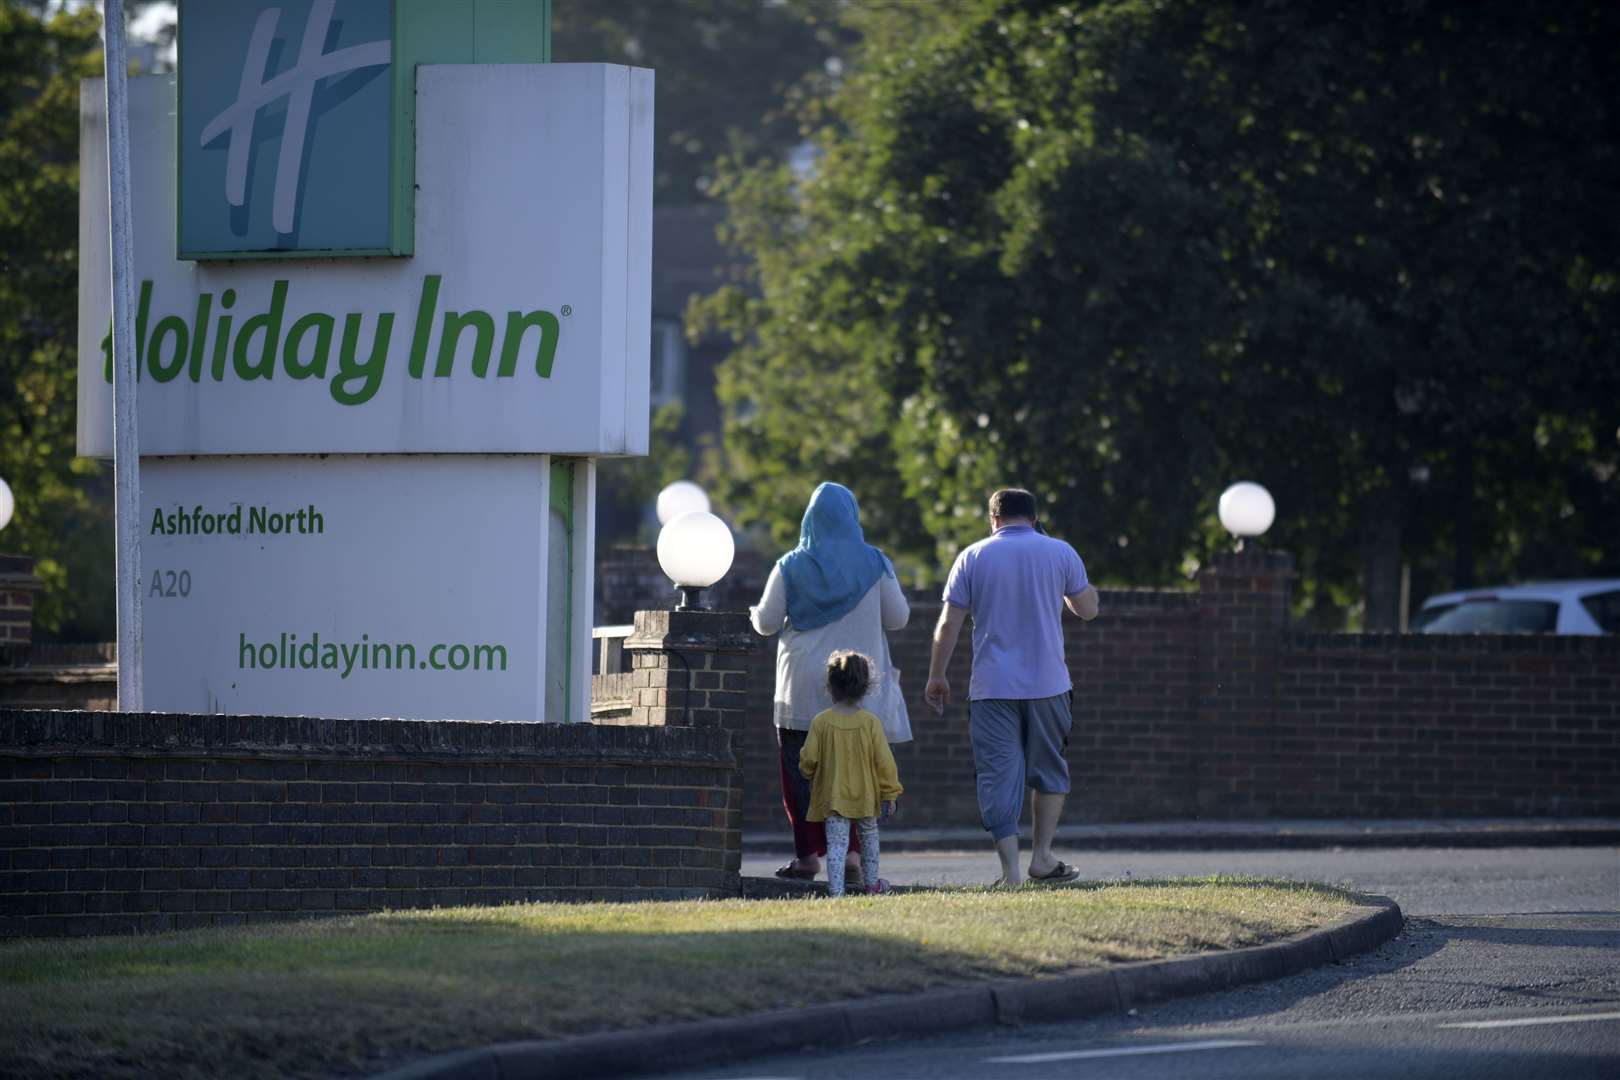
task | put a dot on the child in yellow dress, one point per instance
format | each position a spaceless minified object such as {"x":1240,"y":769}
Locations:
{"x":852,"y":772}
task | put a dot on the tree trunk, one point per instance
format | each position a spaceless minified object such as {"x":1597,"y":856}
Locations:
{"x":1463,"y":514}
{"x":1381,"y":560}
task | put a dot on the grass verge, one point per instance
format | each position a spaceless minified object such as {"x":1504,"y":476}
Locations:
{"x":353,"y":995}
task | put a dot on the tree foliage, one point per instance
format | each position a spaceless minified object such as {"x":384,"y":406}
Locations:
{"x":724,"y":70}
{"x":1125,"y":253}
{"x":42,"y":59}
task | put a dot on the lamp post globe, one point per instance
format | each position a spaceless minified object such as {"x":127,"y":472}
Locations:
{"x":7,"y":504}
{"x":1246,"y":510}
{"x":695,"y":551}
{"x":681,"y":497}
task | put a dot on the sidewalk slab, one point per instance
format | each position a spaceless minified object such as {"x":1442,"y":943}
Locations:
{"x":1115,"y":988}
{"x":1265,"y":835}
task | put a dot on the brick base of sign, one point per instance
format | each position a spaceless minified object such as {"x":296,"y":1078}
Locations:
{"x":115,"y":822}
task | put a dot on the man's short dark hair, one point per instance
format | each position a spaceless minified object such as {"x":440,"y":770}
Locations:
{"x":1012,"y":503}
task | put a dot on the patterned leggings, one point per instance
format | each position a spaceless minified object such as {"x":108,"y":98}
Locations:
{"x":838,"y":845}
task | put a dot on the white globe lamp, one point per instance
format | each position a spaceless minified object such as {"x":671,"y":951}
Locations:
{"x":7,"y":505}
{"x":1246,"y":511}
{"x":695,"y":551}
{"x":681,"y":497}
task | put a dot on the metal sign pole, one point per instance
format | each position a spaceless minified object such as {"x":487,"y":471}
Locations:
{"x":126,"y":443}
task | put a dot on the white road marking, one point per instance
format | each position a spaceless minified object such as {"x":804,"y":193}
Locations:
{"x":1120,"y":1051}
{"x":1527,"y":1021}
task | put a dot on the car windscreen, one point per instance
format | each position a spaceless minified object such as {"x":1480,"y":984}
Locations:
{"x":1605,"y":608}
{"x":1497,"y":617}
{"x":1424,"y":616}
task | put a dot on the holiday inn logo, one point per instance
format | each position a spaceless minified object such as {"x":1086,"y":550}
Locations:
{"x":229,"y":338}
{"x":297,"y":86}
{"x":287,"y":127}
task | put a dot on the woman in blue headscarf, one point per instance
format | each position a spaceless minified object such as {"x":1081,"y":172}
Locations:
{"x":834,"y":591}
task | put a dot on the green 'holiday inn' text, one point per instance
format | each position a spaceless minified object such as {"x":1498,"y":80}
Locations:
{"x":207,"y":345}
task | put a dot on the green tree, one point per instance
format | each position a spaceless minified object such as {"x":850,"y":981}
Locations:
{"x":1125,"y":253}
{"x":63,"y":510}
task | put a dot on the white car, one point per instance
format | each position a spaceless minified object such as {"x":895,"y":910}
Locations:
{"x":1543,"y":607}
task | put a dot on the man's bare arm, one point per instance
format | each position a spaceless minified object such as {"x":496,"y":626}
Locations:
{"x":946,"y":632}
{"x":1083,"y":603}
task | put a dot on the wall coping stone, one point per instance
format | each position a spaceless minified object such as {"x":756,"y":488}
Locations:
{"x":1249,"y":563}
{"x":702,"y":631}
{"x":37,"y":655}
{"x":70,"y":673}
{"x":48,"y":733}
{"x":1474,"y":644}
{"x":20,"y":565}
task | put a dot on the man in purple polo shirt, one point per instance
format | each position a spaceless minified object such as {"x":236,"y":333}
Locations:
{"x":1015,"y":583}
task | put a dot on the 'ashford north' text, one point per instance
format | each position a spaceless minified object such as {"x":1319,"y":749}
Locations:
{"x":207,"y":345}
{"x":252,"y":520}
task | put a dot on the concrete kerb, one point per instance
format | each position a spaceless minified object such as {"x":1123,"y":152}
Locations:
{"x":1008,"y":1001}
{"x":1263,"y":835}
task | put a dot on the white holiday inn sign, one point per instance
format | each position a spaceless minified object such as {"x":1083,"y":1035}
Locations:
{"x":520,"y":324}
{"x":392,"y":278}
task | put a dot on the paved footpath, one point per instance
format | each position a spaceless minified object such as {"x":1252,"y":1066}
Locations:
{"x":1424,"y":881}
{"x":1509,"y":967}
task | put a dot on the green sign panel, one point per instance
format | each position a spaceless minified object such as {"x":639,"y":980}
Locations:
{"x":286,"y":126}
{"x":296,"y":117}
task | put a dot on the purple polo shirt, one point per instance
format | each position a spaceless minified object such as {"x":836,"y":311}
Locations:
{"x":1013,"y":582}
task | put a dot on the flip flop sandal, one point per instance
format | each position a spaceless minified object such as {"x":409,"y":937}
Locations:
{"x":1059,"y":874}
{"x":794,"y":873}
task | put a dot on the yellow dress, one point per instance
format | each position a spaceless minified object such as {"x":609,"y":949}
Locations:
{"x":849,"y":764}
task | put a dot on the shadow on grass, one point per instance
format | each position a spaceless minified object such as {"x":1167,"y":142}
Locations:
{"x":319,"y":997}
{"x":252,"y":1003}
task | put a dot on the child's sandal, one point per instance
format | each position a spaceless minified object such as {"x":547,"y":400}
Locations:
{"x":882,"y":886}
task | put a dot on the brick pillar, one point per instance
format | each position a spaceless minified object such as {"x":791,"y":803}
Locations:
{"x":690,"y":668}
{"x":18,"y":586}
{"x":1243,"y":604}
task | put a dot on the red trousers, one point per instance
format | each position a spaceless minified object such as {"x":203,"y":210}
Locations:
{"x":809,"y":837}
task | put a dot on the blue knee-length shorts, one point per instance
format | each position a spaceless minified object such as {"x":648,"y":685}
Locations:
{"x":1018,"y":743}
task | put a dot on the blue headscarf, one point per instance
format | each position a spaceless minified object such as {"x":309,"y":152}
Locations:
{"x":833,"y":566}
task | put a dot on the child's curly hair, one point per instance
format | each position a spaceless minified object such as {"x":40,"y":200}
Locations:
{"x":849,"y":676}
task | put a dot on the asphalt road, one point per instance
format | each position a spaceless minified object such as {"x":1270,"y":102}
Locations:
{"x":1509,"y":967}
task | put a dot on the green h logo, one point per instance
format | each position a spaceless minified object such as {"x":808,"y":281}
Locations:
{"x":297,"y":117}
{"x":287,"y":128}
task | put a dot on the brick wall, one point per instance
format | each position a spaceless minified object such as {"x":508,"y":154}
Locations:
{"x":115,"y":822}
{"x":46,"y":676}
{"x":1206,"y":704}
{"x":59,"y":677}
{"x":18,"y":587}
{"x":1130,"y":758}
{"x":1396,"y":725}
